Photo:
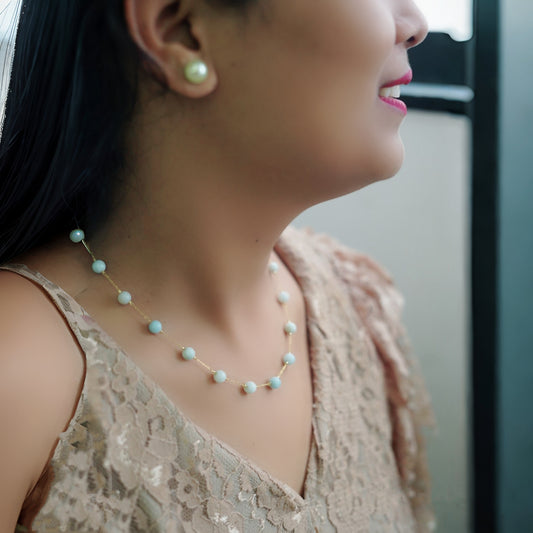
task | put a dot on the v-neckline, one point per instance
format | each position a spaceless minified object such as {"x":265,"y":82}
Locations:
{"x":177,"y":413}
{"x":174,"y":409}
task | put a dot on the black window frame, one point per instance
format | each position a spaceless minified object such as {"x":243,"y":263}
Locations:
{"x":473,"y":66}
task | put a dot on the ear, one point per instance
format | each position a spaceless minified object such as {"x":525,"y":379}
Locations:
{"x":170,"y":36}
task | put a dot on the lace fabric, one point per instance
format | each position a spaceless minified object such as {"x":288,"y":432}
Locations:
{"x":131,"y":461}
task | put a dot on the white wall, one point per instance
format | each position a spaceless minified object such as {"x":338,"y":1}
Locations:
{"x":417,"y":225}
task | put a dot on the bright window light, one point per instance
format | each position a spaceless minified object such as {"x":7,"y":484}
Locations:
{"x":449,"y":16}
{"x":7,"y":13}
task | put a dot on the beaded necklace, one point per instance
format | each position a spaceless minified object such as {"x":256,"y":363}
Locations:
{"x":188,"y":353}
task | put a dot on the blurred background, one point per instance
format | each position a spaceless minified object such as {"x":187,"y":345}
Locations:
{"x":455,"y":229}
{"x":419,"y":226}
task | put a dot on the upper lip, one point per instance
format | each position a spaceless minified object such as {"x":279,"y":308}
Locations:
{"x":404,"y":80}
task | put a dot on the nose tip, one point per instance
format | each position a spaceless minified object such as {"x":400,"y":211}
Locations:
{"x":415,"y":26}
{"x":420,"y":34}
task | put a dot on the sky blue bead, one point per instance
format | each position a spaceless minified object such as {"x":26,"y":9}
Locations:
{"x":155,"y":327}
{"x":289,"y":358}
{"x":220,"y":376}
{"x":99,"y":267}
{"x":275,"y":382}
{"x":273,"y":267}
{"x":290,"y":328}
{"x":283,"y":297}
{"x":188,"y":354}
{"x":124,"y":298}
{"x":250,"y":387}
{"x":77,"y":235}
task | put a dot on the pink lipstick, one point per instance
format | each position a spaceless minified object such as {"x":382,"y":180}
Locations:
{"x":390,"y":92}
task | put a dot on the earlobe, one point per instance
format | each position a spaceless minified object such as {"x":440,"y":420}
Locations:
{"x":173,"y":41}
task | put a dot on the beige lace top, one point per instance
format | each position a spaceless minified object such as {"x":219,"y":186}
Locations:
{"x":131,"y":461}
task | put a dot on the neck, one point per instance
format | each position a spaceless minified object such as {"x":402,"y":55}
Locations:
{"x":211,"y":258}
{"x":207,"y":251}
{"x":195,"y":224}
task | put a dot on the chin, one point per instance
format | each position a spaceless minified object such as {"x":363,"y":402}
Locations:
{"x":379,"y":165}
{"x":349,"y":173}
{"x":390,"y":162}
{"x":362,"y":178}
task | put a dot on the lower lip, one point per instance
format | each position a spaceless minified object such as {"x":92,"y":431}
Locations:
{"x":394,"y":102}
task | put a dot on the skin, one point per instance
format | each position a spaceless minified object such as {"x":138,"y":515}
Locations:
{"x":288,"y":117}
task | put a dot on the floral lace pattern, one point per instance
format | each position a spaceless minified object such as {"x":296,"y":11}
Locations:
{"x":131,"y":461}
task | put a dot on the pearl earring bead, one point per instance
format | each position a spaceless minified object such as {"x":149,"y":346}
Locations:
{"x":196,"y":71}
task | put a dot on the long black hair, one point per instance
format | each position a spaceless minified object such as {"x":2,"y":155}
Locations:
{"x":72,"y":92}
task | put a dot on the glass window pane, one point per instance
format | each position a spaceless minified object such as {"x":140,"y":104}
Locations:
{"x":450,"y":16}
{"x":7,"y":12}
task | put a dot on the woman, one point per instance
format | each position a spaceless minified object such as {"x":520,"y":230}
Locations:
{"x":265,"y":386}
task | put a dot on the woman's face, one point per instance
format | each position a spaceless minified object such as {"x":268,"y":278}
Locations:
{"x":299,"y":85}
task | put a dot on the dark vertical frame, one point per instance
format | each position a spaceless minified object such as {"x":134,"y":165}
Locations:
{"x":485,"y":222}
{"x":476,"y":65}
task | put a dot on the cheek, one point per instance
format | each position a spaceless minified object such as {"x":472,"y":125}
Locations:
{"x":331,"y":73}
{"x":308,"y":103}
{"x":339,"y":120}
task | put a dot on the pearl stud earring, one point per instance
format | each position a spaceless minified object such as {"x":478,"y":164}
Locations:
{"x":196,"y":71}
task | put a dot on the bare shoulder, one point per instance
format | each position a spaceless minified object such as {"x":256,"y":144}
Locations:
{"x":41,"y":372}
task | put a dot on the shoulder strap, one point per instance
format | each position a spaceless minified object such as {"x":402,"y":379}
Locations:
{"x":67,"y":306}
